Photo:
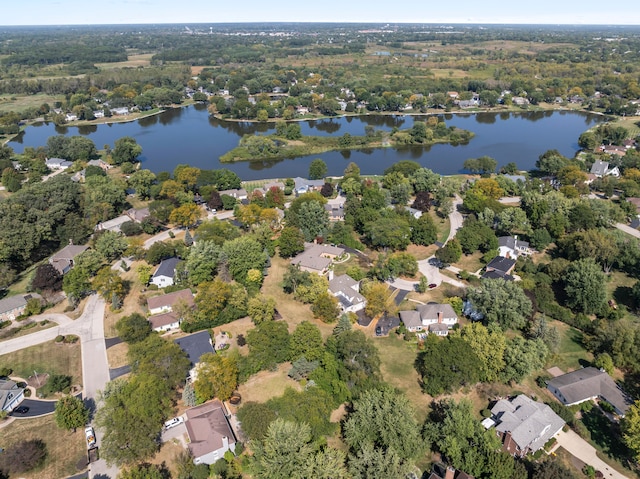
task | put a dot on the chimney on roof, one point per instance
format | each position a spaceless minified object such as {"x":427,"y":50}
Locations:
{"x":440,"y":317}
{"x":225,"y":443}
{"x":450,"y":473}
{"x":71,"y":241}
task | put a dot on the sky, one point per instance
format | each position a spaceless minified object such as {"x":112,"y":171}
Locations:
{"x":74,"y":12}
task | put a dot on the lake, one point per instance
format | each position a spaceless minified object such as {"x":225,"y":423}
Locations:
{"x":188,"y":135}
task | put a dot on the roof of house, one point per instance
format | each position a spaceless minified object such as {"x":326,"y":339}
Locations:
{"x":162,"y":320}
{"x":138,"y":214}
{"x":600,"y":168}
{"x":501,"y":263}
{"x":493,"y":274}
{"x":530,"y":423}
{"x":303,"y":182}
{"x":207,"y":425}
{"x":635,"y":202}
{"x":12,"y":302}
{"x":7,"y":387}
{"x":168,"y":300}
{"x":195,"y":345}
{"x":430,"y":311}
{"x":411,"y":319}
{"x":512,"y":242}
{"x":63,"y":258}
{"x":438,"y":327}
{"x":313,"y":256}
{"x":516,"y":178}
{"x":167,"y":268}
{"x":342,"y":283}
{"x":113,"y":224}
{"x":585,"y":383}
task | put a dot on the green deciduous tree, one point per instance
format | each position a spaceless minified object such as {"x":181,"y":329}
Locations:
{"x":217,"y":376}
{"x":186,"y":215}
{"x":269,"y":344}
{"x":71,"y":413}
{"x":630,"y":425}
{"x":111,"y":245}
{"x":317,"y":169}
{"x":501,"y":302}
{"x":133,"y":328}
{"x":202,"y":262}
{"x":585,"y":286}
{"x":261,"y":308}
{"x":325,"y":307}
{"x":489,"y":345}
{"x":451,"y":252}
{"x":306,"y":341}
{"x":522,"y":357}
{"x":243,"y":254}
{"x":126,"y":150}
{"x":109,"y":283}
{"x":290,"y":242}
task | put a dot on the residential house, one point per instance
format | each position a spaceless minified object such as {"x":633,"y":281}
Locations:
{"x":165,"y":322}
{"x":98,"y":114}
{"x":413,"y":212}
{"x":601,"y":169}
{"x":432,"y":318}
{"x":71,"y":117}
{"x":58,"y":163}
{"x":439,"y":471}
{"x":302,"y":185}
{"x":166,"y":302}
{"x":120,"y":111}
{"x":516,"y":178}
{"x":138,"y":215}
{"x":335,"y":208}
{"x":100,"y":164}
{"x":347,"y":290}
{"x":63,"y":259}
{"x":524,"y":425}
{"x":519,"y":100}
{"x":10,"y":395}
{"x":512,"y":247}
{"x":499,"y":267}
{"x":210,"y":434}
{"x":613,"y":150}
{"x":587,"y":384}
{"x":317,"y":258}
{"x":13,"y":306}
{"x":195,"y":346}
{"x":238,"y":194}
{"x":165,"y":273}
{"x":113,"y":224}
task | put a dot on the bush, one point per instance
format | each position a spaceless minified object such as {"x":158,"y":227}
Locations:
{"x":59,"y":338}
{"x":541,"y":380}
{"x":56,"y":383}
{"x":241,"y":340}
{"x":485,"y":413}
{"x":71,"y":339}
{"x":23,"y":457}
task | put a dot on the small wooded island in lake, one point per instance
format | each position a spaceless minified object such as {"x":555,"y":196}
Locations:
{"x":288,"y":141}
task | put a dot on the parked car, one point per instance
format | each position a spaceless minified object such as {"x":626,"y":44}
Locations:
{"x":21,"y":410}
{"x":432,"y":285}
{"x":173,"y":422}
{"x":378,"y":331}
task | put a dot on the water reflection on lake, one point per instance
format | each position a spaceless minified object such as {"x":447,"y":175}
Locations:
{"x":189,"y":135}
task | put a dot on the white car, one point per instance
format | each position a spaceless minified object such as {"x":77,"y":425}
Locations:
{"x":173,"y":422}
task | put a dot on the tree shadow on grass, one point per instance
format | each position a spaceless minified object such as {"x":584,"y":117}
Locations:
{"x":606,"y":435}
{"x":624,"y":295}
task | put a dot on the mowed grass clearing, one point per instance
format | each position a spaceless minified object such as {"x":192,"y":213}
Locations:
{"x":65,"y":450}
{"x":50,"y":357}
{"x":268,"y":384}
{"x":22,"y":102}
{"x":571,"y":353}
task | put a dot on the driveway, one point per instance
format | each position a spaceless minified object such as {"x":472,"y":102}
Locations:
{"x":178,"y":432}
{"x":455,"y":218}
{"x":37,"y":407}
{"x":584,"y":451}
{"x":628,"y":229}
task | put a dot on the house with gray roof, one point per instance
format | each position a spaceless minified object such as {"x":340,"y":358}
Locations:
{"x":165,"y":302}
{"x":432,"y":318}
{"x":195,"y":346}
{"x":347,"y":290}
{"x":302,"y":185}
{"x":512,"y":247}
{"x":63,"y":259}
{"x":165,"y":273}
{"x":210,"y":434}
{"x":601,"y":169}
{"x":113,"y":224}
{"x":238,"y":194}
{"x":10,"y":395}
{"x":501,"y":265}
{"x":58,"y":163}
{"x":317,"y":258}
{"x":588,"y":384}
{"x":14,"y":306}
{"x":524,"y":425}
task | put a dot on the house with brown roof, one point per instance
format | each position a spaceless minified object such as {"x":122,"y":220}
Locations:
{"x":210,"y":434}
{"x":588,"y":384}
{"x":138,"y":215}
{"x":63,"y":259}
{"x":439,"y":471}
{"x":165,"y":303}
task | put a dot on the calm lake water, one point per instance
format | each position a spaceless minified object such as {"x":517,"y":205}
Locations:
{"x":188,"y":135}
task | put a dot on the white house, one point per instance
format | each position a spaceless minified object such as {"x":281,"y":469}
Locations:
{"x":165,"y":273}
{"x":210,"y":434}
{"x":165,"y":303}
{"x":58,"y":164}
{"x":601,"y":169}
{"x":10,"y":395}
{"x":433,"y":318}
{"x":347,"y":290}
{"x":113,"y":224}
{"x":317,"y":258}
{"x":512,"y":247}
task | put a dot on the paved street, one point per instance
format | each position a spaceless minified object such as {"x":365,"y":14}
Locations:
{"x":584,"y":451}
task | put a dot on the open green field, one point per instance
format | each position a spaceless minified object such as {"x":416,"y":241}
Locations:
{"x":65,"y":449}
{"x":571,"y":354}
{"x":48,"y":357}
{"x":22,"y":102}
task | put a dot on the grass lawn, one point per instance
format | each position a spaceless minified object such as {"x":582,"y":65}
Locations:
{"x":605,"y":436}
{"x":168,"y":454}
{"x":22,"y":102}
{"x":619,"y":287}
{"x":129,"y":306}
{"x":65,"y":450}
{"x":571,"y":354}
{"x":28,"y":328}
{"x":470,"y":262}
{"x":49,"y":358}
{"x":292,"y":311}
{"x":397,"y":357}
{"x":117,"y":355}
{"x":268,"y":384}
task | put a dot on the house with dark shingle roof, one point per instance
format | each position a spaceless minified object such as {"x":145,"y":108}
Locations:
{"x":165,"y":273}
{"x":63,"y":259}
{"x":195,"y":346}
{"x":512,"y":247}
{"x":524,"y":425}
{"x":503,"y":266}
{"x":210,"y":434}
{"x":587,"y":384}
